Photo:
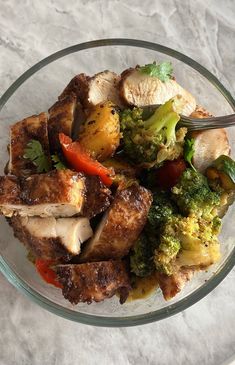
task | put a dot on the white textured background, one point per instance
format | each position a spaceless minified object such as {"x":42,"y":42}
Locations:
{"x":31,"y":30}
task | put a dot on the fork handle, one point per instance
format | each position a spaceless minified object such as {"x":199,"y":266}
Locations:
{"x":207,"y":123}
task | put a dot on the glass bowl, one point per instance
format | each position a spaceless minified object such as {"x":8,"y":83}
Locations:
{"x":35,"y":91}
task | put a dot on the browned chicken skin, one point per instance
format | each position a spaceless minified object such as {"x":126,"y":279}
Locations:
{"x":173,"y":284}
{"x":61,"y":120}
{"x":94,"y":281}
{"x":59,"y":193}
{"x":120,"y":226}
{"x":34,"y":127}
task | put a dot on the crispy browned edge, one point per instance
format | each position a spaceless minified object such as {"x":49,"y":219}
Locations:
{"x":22,"y":132}
{"x":135,"y":200}
{"x":94,"y":281}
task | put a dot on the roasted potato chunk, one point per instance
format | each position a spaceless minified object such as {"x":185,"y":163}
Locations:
{"x":100,"y":134}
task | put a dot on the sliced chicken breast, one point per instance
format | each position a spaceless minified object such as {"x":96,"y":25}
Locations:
{"x":94,"y":90}
{"x":50,"y":238}
{"x":61,"y":120}
{"x":34,"y":127}
{"x":140,"y":89}
{"x":173,"y":284}
{"x":94,"y":281}
{"x":59,"y":193}
{"x":120,"y":226}
{"x":209,"y":144}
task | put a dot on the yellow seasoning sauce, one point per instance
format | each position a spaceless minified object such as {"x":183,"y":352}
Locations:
{"x":143,"y":287}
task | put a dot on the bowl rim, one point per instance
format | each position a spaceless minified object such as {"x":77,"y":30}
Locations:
{"x":156,"y":315}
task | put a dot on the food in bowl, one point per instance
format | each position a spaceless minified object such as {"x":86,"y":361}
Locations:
{"x":110,"y":196}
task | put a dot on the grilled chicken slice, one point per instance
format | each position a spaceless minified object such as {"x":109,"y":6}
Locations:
{"x":61,"y":120}
{"x":94,"y":90}
{"x":50,"y":238}
{"x":34,"y":127}
{"x":120,"y":226}
{"x":140,"y":89}
{"x":173,"y":284}
{"x":94,"y":281}
{"x":59,"y":193}
{"x":209,"y":144}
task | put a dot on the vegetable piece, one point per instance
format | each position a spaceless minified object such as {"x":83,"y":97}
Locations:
{"x":34,"y":152}
{"x":192,"y":194}
{"x":165,"y":255}
{"x":100,"y":134}
{"x":189,"y":151}
{"x":163,"y":71}
{"x":58,"y":164}
{"x":141,"y":257}
{"x":80,"y":160}
{"x":152,"y":141}
{"x":168,"y":175}
{"x":44,"y":269}
{"x":222,"y":171}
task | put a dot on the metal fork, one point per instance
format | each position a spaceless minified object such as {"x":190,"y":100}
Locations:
{"x":194,"y":124}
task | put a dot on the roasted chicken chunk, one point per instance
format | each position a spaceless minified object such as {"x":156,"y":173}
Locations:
{"x":94,"y":90}
{"x":61,"y":120}
{"x":209,"y":144}
{"x":59,"y":193}
{"x":120,"y":226}
{"x":94,"y":281}
{"x":34,"y":127}
{"x":50,"y":238}
{"x":173,"y":284}
{"x":140,"y":89}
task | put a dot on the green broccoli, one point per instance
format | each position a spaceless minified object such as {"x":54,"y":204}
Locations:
{"x":152,"y":141}
{"x":161,"y":210}
{"x":193,"y":195}
{"x":187,"y":241}
{"x":141,"y":257}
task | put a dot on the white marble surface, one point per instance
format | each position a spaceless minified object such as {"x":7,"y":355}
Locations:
{"x":31,"y":30}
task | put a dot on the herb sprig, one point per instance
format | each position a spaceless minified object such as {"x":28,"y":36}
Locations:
{"x":163,"y":71}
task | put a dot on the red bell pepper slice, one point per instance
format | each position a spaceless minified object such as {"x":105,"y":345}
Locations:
{"x":81,"y":161}
{"x":48,"y":275}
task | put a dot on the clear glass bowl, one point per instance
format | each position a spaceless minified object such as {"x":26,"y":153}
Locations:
{"x":35,"y":91}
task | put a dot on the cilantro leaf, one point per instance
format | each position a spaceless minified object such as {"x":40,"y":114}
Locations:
{"x":189,"y":151}
{"x":34,"y":153}
{"x":58,"y":164}
{"x":163,"y":71}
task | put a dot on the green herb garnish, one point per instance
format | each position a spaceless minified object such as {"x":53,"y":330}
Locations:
{"x":58,"y":164}
{"x":189,"y":151}
{"x":34,"y":153}
{"x":163,"y":71}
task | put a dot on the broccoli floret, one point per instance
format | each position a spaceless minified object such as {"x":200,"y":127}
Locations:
{"x":161,"y":210}
{"x":193,"y":195}
{"x":153,"y":140}
{"x":199,"y":242}
{"x":164,"y":256}
{"x":187,"y":241}
{"x":141,"y":257}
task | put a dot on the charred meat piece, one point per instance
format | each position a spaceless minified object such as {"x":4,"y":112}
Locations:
{"x":120,"y":226}
{"x":140,"y":89}
{"x":61,"y":120}
{"x":59,"y":193}
{"x":94,"y":281}
{"x":50,"y":238}
{"x":173,"y":284}
{"x":78,"y":85}
{"x":94,"y":90}
{"x":209,"y":144}
{"x":34,"y":127}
